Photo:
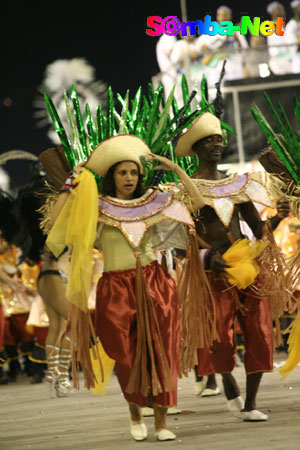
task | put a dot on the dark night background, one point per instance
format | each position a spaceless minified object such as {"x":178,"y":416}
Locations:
{"x":110,"y":36}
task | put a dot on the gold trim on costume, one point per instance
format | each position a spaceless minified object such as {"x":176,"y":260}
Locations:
{"x":146,"y":198}
{"x":137,"y":218}
{"x":152,"y":219}
{"x":225,"y":210}
{"x":39,"y":361}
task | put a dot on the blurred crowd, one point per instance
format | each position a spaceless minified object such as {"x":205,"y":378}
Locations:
{"x":246,"y":56}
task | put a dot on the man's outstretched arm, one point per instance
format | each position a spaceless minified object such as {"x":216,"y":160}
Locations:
{"x":252,"y":218}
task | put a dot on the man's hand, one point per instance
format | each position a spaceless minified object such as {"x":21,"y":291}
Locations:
{"x":217,"y":263}
{"x":283,"y":208}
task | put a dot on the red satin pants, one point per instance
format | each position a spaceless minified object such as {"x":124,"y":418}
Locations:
{"x":256,"y":327}
{"x":116,"y":324}
{"x":15,"y":331}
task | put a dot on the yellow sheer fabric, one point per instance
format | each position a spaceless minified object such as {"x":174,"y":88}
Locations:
{"x":108,"y":364}
{"x":76,"y":228}
{"x":241,"y":259}
{"x":294,"y":348}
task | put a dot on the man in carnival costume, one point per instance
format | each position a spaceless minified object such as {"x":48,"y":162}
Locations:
{"x":217,"y":223}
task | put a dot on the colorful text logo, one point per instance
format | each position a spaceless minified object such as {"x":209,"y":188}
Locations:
{"x":171,"y":26}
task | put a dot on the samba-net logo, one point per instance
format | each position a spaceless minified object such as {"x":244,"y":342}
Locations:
{"x":171,"y":26}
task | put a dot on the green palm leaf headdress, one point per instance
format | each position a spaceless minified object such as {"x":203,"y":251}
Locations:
{"x":148,"y":116}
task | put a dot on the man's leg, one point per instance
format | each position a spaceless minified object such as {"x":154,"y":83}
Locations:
{"x":257,"y":330}
{"x":235,"y":403}
{"x":250,"y":413}
{"x":231,"y":388}
{"x":252,"y":383}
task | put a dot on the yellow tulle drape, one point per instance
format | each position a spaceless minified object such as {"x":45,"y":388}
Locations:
{"x":241,"y":258}
{"x":108,"y":365}
{"x":76,"y":228}
{"x":294,"y":348}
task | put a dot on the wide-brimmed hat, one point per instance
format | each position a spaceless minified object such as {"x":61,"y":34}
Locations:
{"x":205,"y":125}
{"x":123,"y":147}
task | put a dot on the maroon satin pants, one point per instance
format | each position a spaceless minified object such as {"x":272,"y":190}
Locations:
{"x":256,"y":327}
{"x":116,"y":324}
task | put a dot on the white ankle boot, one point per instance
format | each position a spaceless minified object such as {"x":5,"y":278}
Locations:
{"x":65,"y":386}
{"x":52,"y":362}
{"x":58,"y":371}
{"x":138,"y":430}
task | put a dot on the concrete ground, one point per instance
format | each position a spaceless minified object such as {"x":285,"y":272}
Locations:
{"x":31,"y":419}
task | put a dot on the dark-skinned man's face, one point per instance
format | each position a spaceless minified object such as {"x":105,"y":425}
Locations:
{"x":210,"y":149}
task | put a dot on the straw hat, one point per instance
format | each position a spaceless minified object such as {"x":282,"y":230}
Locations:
{"x":123,"y":147}
{"x":205,"y":125}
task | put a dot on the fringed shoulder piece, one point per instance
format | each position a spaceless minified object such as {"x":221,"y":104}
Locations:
{"x":47,"y":207}
{"x":179,"y":193}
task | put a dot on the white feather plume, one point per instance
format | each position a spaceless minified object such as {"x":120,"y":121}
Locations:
{"x":62,"y":73}
{"x":4,"y":180}
{"x":59,"y":76}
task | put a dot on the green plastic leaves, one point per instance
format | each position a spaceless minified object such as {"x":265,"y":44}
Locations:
{"x":288,"y":150}
{"x":59,"y":128}
{"x":149,"y":116}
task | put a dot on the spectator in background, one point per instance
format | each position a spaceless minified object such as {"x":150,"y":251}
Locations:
{"x":292,"y":36}
{"x":256,"y":58}
{"x":164,"y":47}
{"x":279,"y":60}
{"x":217,"y":48}
{"x":184,"y":57}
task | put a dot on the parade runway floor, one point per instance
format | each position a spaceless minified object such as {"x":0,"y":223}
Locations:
{"x":31,"y":419}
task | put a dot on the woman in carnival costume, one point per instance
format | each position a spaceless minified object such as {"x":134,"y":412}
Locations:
{"x":137,"y":307}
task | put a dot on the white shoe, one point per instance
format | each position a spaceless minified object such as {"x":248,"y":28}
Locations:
{"x":235,"y":406}
{"x":210,"y":392}
{"x":147,"y":412}
{"x":199,"y":387}
{"x":138,"y":430}
{"x":165,"y":435}
{"x":253,"y":416}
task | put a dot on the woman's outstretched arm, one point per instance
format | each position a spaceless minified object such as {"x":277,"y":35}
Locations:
{"x":197,"y":201}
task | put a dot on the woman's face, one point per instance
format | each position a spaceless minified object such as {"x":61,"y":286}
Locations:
{"x":126,"y":177}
